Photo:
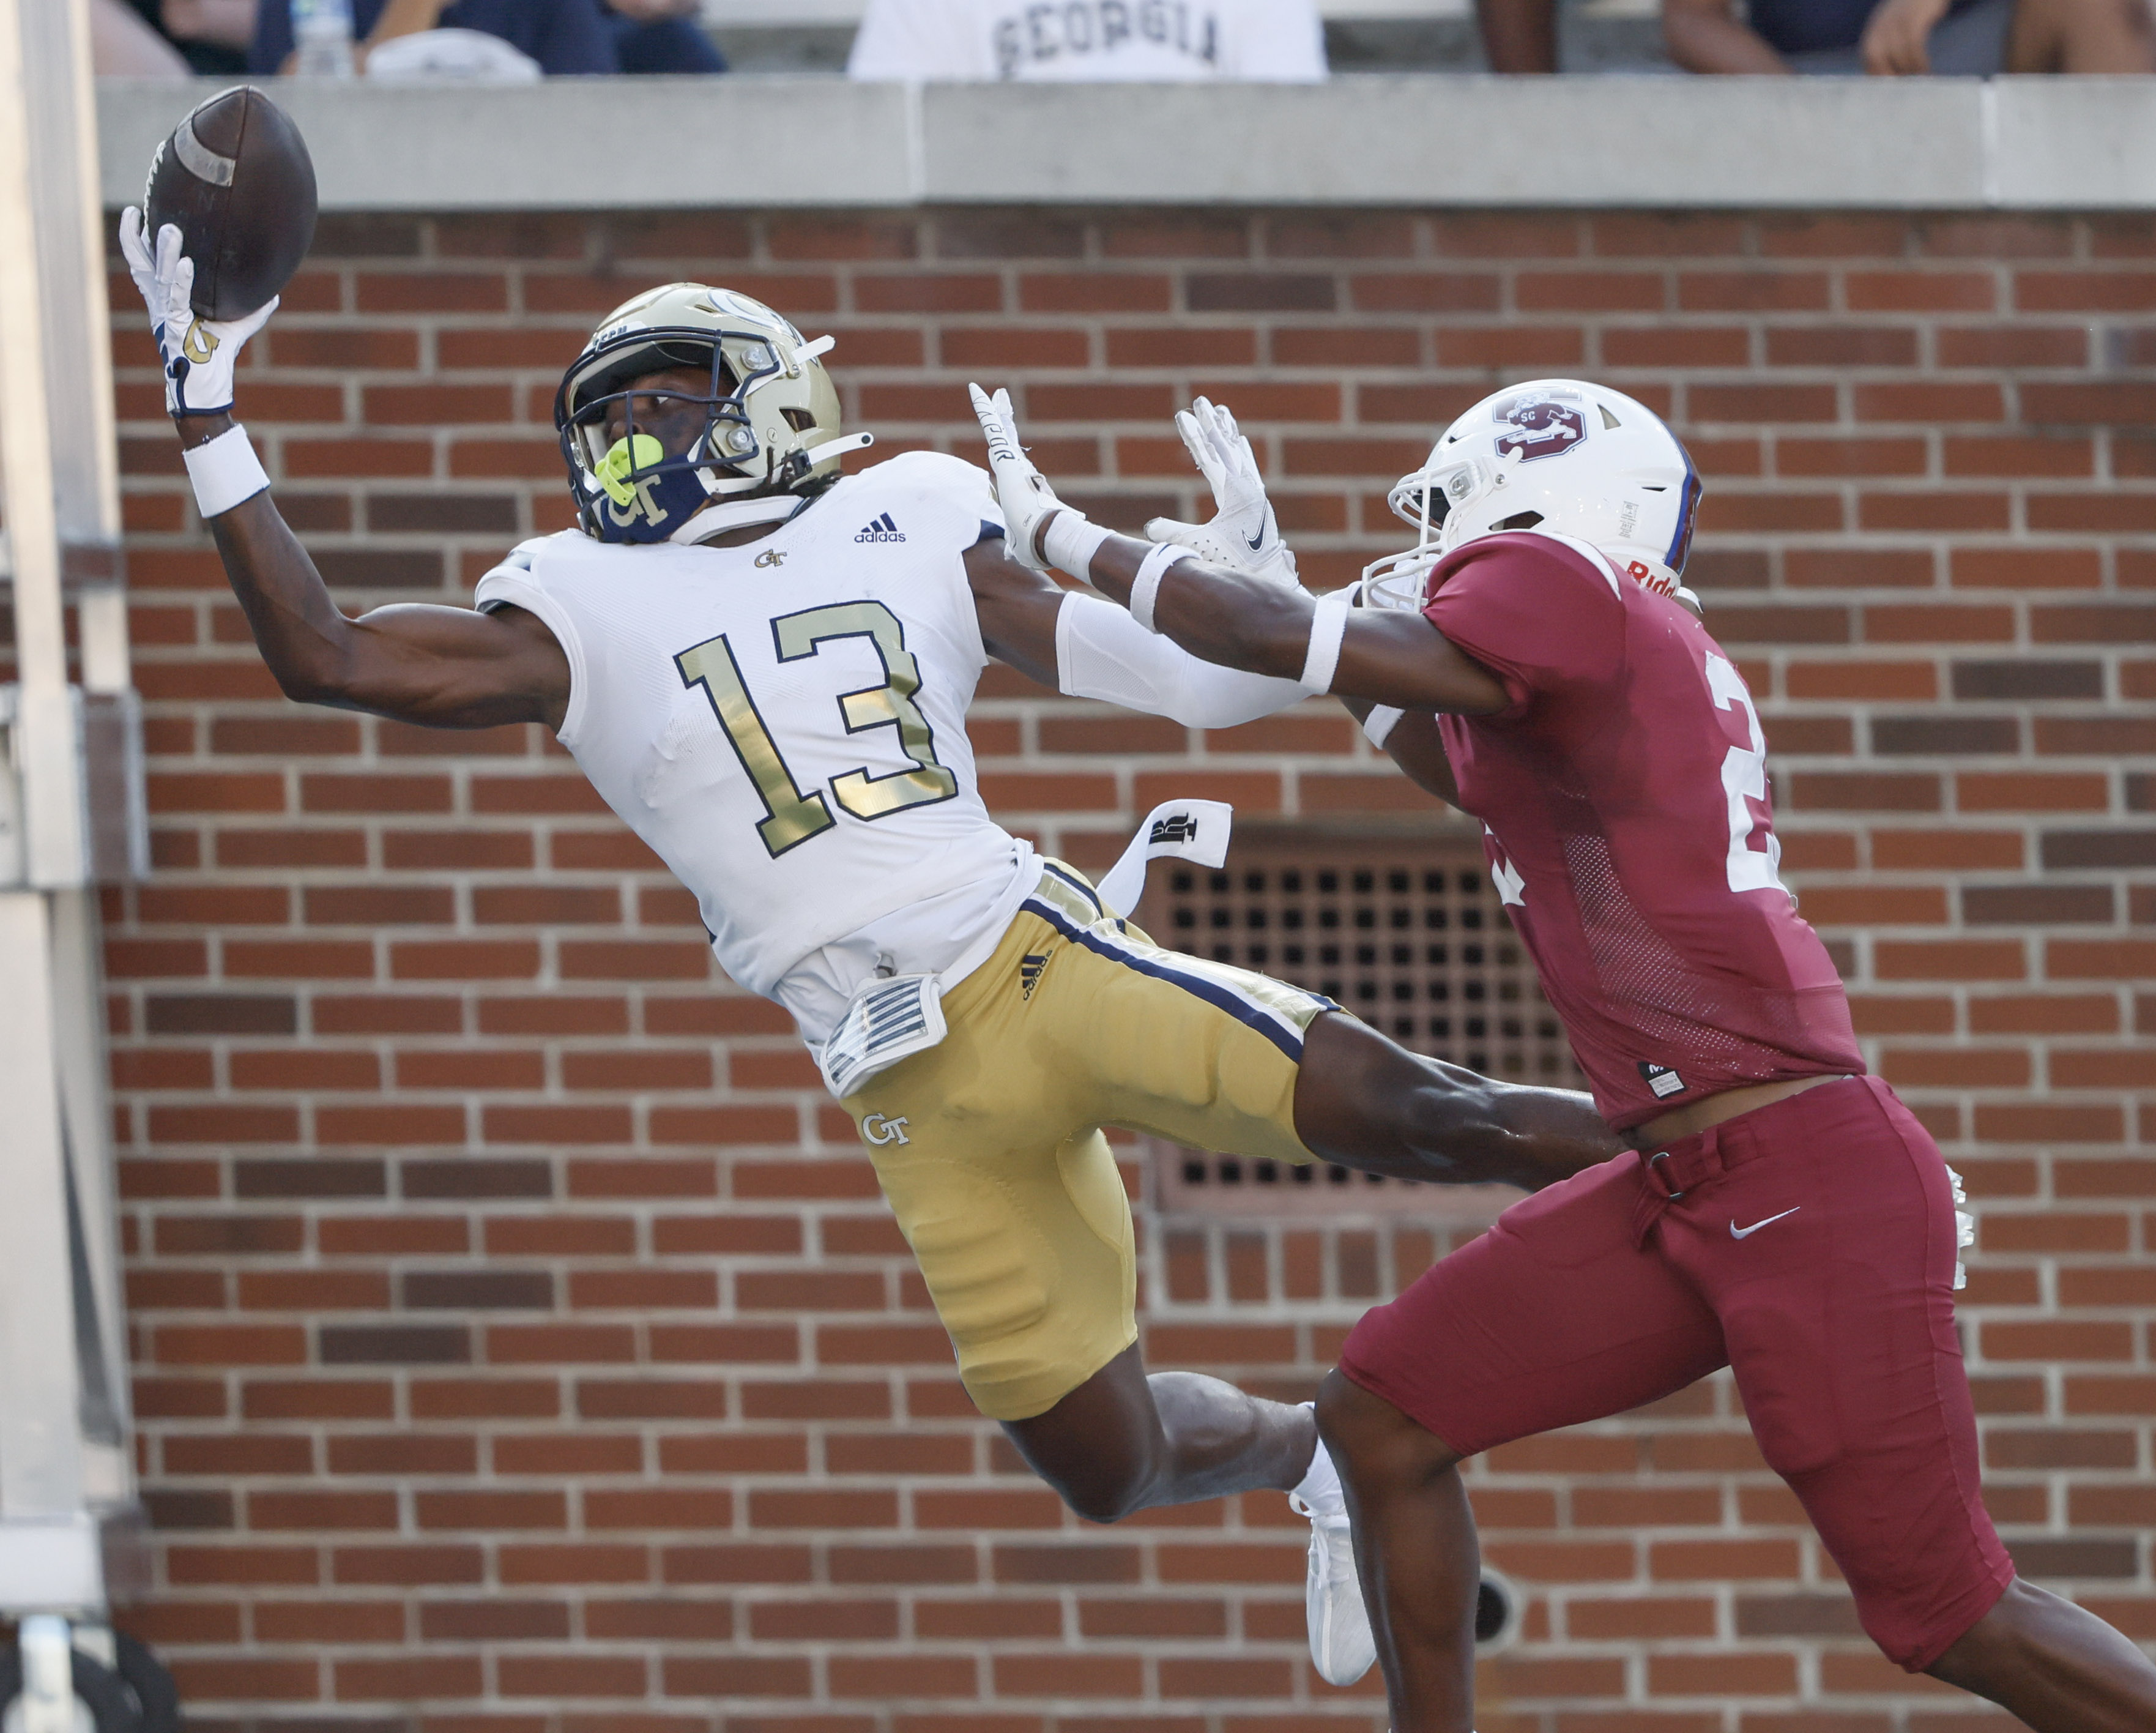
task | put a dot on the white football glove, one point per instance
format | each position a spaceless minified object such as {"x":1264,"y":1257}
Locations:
{"x":1243,"y":534}
{"x":199,"y":354}
{"x":1021,"y":489}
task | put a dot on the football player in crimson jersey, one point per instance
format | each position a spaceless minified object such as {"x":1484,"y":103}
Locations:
{"x":1534,"y":661}
{"x":763,"y":667}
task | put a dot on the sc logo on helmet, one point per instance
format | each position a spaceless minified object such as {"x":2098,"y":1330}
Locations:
{"x":1541,"y":427}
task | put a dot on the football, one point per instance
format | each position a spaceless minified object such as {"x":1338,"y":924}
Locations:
{"x":236,"y":179}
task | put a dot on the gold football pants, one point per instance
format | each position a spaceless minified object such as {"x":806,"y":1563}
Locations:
{"x":988,"y":1144}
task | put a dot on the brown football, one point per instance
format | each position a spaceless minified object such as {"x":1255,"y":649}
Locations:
{"x":236,"y":178}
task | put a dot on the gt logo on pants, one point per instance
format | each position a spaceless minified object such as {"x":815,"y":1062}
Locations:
{"x":880,"y":1131}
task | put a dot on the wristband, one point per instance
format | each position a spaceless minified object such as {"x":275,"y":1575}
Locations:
{"x":1146,"y":586}
{"x":225,"y":471}
{"x":1071,"y":541}
{"x":1379,"y":725}
{"x":1328,"y":625}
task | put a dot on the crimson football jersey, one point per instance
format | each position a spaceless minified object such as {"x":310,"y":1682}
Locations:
{"x":1623,"y":795}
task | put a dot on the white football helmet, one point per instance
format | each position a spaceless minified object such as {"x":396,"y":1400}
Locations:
{"x":769,"y":414}
{"x":1564,"y":456}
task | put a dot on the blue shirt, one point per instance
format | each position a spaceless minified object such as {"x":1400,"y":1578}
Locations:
{"x":1807,"y":27}
{"x":563,"y":36}
{"x":1796,"y":27}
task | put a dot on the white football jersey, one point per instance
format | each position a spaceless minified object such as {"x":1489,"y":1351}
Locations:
{"x":1073,"y":41}
{"x":784,"y":722}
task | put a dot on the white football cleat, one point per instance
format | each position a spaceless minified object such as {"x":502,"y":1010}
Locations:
{"x":1342,"y":1647}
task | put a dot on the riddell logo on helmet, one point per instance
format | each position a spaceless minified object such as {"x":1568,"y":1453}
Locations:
{"x":1541,"y":427}
{"x":1647,"y":580}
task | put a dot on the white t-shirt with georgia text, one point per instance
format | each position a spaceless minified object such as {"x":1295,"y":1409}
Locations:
{"x":1099,"y":41}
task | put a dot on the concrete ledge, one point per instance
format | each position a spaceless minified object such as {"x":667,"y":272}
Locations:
{"x":651,"y":143}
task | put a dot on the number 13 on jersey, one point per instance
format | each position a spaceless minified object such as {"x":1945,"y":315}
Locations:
{"x":793,"y":817}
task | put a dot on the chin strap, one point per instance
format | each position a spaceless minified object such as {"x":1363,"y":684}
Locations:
{"x":839,"y":447}
{"x":724,"y":514}
{"x":721,"y":515}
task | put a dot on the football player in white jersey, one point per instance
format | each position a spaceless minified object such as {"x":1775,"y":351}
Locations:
{"x":764,"y":668}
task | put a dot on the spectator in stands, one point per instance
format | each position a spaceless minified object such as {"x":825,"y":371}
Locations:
{"x":1965,"y":37}
{"x":559,"y":35}
{"x":1122,"y":41}
{"x":1518,"y":35}
{"x":1904,"y":38}
{"x":210,"y":36}
{"x":662,"y":36}
{"x":563,"y":36}
{"x":124,"y":44}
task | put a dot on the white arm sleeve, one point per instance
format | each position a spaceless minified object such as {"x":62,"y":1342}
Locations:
{"x":1101,"y":652}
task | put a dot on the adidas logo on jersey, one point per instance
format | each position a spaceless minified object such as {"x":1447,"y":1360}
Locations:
{"x":882,"y":530}
{"x":1028,"y":974}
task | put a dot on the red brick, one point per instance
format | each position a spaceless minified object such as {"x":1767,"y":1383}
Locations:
{"x":1752,"y":290}
{"x":728,"y":1179}
{"x":2053,"y":792}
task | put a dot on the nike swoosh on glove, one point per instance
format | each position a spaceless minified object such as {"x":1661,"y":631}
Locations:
{"x":1243,"y":534}
{"x":199,"y":355}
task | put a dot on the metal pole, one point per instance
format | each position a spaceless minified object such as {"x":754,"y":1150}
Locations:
{"x":57,"y":839}
{"x":46,"y":1541}
{"x":64,"y":1470}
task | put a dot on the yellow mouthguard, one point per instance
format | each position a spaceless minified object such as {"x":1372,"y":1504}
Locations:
{"x":638,"y":451}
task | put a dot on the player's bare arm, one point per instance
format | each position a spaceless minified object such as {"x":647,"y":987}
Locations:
{"x":440,"y":667}
{"x":1235,"y":618}
{"x":1017,"y":608}
{"x":1414,"y":744}
{"x":1228,"y":617}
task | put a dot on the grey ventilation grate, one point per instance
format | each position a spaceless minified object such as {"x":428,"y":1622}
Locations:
{"x":1407,"y":933}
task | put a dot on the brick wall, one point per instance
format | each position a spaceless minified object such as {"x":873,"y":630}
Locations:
{"x":521,"y":1343}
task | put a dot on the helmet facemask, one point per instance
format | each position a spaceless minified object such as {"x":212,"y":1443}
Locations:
{"x":1423,"y":500}
{"x":637,"y":478}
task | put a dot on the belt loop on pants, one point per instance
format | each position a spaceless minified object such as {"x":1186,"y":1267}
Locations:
{"x":1671,"y":1173}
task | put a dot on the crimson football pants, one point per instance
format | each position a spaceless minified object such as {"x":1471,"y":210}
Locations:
{"x":1813,"y":1250}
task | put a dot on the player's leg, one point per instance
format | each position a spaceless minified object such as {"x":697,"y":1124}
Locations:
{"x":1365,"y":1101}
{"x":1209,"y":1056}
{"x":2080,"y":36}
{"x":2058,"y":1667}
{"x":1196,"y":1051}
{"x":1125,"y":1441}
{"x":987,"y":1150}
{"x":1826,"y":1242}
{"x":1552,"y":1318}
{"x":1827,"y":1246}
{"x":1416,"y":1552}
{"x":1205,"y":1055}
